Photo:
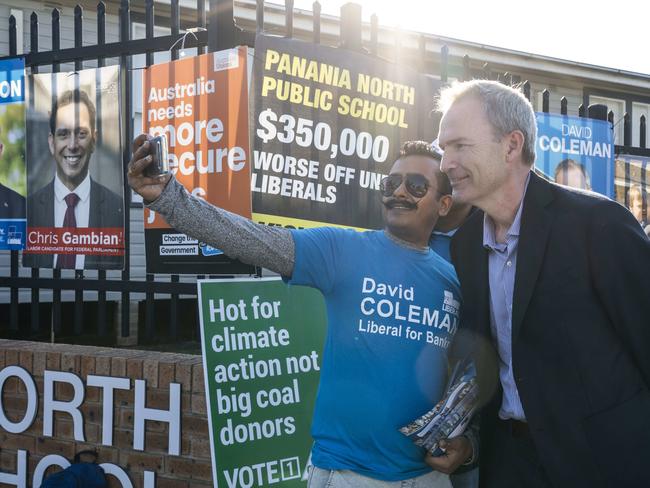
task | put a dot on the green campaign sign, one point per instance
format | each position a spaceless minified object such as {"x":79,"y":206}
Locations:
{"x":262,"y":342}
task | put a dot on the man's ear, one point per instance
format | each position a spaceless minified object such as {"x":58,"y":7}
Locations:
{"x":50,"y":142}
{"x":94,"y":144}
{"x":515,"y":145}
{"x":444,"y":205}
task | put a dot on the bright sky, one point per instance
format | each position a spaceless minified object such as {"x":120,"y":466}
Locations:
{"x":615,"y":34}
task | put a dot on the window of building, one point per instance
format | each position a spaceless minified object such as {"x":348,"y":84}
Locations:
{"x":639,"y":109}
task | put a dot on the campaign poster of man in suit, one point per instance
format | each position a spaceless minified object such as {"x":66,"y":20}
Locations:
{"x":75,"y":204}
{"x":577,"y":152}
{"x":633,"y":186}
{"x":12,"y":154}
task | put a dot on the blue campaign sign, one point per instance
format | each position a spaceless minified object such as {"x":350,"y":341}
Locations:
{"x":12,"y":80}
{"x":576,"y":151}
{"x":12,"y":154}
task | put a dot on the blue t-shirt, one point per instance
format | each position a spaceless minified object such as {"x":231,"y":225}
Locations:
{"x":392,"y":312}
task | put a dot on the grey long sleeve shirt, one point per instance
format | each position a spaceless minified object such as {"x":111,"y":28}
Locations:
{"x":238,"y":237}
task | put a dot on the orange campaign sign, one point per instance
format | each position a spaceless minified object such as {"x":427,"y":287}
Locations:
{"x":201,"y":105}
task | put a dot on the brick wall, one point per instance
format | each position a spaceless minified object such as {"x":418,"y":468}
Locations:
{"x":190,"y":469}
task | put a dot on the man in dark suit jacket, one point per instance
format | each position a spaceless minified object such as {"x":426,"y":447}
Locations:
{"x":559,"y":281}
{"x":72,"y":142}
{"x":12,"y":204}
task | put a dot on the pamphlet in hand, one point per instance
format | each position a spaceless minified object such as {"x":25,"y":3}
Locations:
{"x":452,"y":413}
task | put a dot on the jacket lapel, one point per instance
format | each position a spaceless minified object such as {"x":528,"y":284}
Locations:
{"x":474,"y":258}
{"x":536,"y":221}
{"x":44,"y":208}
{"x":46,"y":204}
{"x":96,"y":204}
{"x":483,"y":296}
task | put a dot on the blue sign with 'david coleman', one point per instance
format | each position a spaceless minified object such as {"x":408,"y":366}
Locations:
{"x":12,"y":154}
{"x":12,"y":80}
{"x":576,"y":151}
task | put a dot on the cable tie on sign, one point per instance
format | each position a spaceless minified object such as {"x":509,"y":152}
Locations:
{"x":191,"y":30}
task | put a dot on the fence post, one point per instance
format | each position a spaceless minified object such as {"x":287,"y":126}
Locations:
{"x":175,"y":25}
{"x":627,"y":141}
{"x":79,"y":274}
{"x":397,"y":45}
{"x":13,"y":44}
{"x":78,"y":34}
{"x":102,"y":328}
{"x":222,"y":31}
{"x":56,"y":273}
{"x":642,"y":135}
{"x":35,"y":299}
{"x":13,"y":291}
{"x":288,"y":18}
{"x":422,"y":53}
{"x":200,"y":13}
{"x":56,"y":36}
{"x":374,"y":35}
{"x":486,"y":71}
{"x":526,"y":89}
{"x":627,"y":129}
{"x":444,"y":63}
{"x":467,"y":69}
{"x":316,"y":9}
{"x":351,"y":27}
{"x":259,"y":16}
{"x":597,"y":111}
{"x":125,"y":65}
{"x":149,"y":296}
{"x":149,"y":27}
{"x":101,"y":30}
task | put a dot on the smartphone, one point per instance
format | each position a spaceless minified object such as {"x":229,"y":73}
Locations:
{"x":160,"y":160}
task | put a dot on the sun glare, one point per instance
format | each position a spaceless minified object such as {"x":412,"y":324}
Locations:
{"x":574,"y":31}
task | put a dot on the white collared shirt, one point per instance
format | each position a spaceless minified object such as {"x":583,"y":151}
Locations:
{"x":81,"y":211}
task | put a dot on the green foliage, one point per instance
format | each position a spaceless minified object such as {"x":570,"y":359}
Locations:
{"x":12,"y":136}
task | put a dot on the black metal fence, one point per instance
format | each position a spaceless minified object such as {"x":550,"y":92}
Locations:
{"x":219,"y":32}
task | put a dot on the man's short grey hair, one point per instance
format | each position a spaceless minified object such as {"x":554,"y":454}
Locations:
{"x":506,"y":108}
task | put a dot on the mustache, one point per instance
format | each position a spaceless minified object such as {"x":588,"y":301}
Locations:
{"x":393,"y":202}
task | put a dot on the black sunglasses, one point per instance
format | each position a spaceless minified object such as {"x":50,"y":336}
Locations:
{"x":415,"y":183}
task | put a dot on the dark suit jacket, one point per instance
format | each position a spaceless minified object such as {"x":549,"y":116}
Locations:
{"x":580,"y":334}
{"x":106,"y":210}
{"x":12,"y":204}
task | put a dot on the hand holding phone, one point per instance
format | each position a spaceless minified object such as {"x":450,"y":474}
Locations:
{"x":147,"y":177}
{"x":159,"y":157}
